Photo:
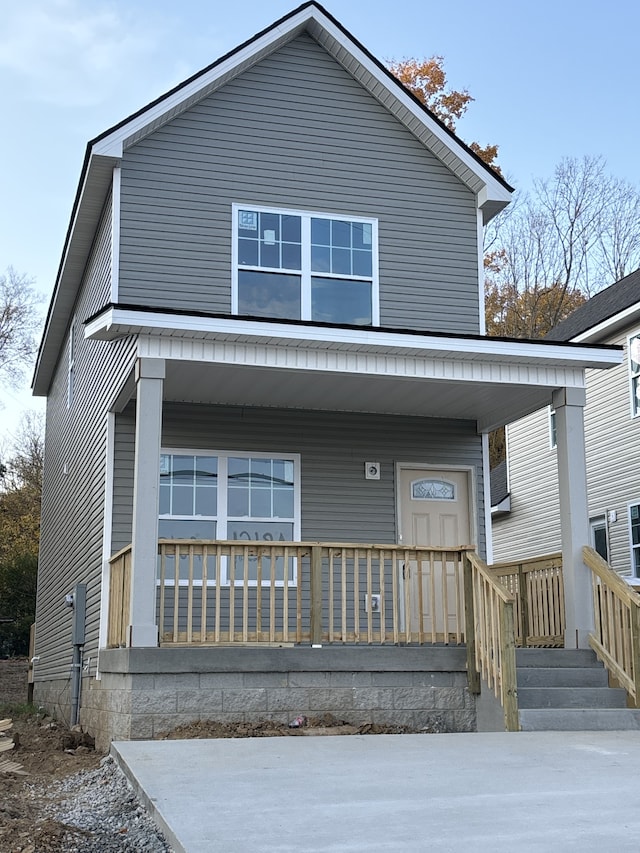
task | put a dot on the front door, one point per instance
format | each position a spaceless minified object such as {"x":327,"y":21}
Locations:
{"x":434,"y":510}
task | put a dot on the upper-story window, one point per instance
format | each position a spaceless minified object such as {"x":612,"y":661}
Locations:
{"x":305,"y":266}
{"x":634,"y":365}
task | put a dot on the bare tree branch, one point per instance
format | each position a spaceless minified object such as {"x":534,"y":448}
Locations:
{"x":19,"y":323}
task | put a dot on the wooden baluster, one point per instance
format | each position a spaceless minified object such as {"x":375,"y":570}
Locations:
{"x":473,"y":676}
{"x":316,"y":592}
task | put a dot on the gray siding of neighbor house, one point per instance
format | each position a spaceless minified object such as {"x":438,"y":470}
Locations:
{"x":296,"y":131}
{"x":612,"y":439}
{"x":533,"y":526}
{"x":613,"y":452}
{"x":338,"y":504}
{"x":74,"y":476}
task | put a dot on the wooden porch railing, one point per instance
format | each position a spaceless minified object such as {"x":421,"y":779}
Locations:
{"x":616,"y":639}
{"x":538,"y":587}
{"x":491,"y":648}
{"x":292,"y":592}
{"x":119,"y":598}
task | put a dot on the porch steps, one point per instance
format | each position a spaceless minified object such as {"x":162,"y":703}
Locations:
{"x":567,"y":690}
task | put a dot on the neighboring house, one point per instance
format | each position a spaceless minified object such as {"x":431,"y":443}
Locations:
{"x":612,"y":445}
{"x":268,"y":327}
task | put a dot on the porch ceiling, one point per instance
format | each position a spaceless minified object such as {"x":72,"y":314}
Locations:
{"x":260,"y":362}
{"x":256,"y":386}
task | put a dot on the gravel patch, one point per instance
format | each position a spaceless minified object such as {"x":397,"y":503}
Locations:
{"x":100,"y":813}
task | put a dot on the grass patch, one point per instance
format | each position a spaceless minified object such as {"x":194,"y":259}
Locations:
{"x":18,"y":709}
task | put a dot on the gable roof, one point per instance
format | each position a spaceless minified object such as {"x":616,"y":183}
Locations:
{"x":609,"y":310}
{"x":104,"y":152}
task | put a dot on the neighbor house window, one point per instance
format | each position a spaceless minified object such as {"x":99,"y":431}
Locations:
{"x":599,"y":538}
{"x":553,"y":435}
{"x":634,"y":365}
{"x":634,"y":520}
{"x":238,"y":496}
{"x":71,"y":363}
{"x":305,"y":266}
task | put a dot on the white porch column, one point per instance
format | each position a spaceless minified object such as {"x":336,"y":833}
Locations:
{"x":574,"y":513}
{"x":150,"y":373}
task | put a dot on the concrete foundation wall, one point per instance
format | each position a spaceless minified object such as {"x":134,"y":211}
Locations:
{"x":145,"y":692}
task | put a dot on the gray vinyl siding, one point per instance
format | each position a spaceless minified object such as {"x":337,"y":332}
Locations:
{"x":296,"y":131}
{"x":74,"y":474}
{"x":533,"y":526}
{"x":613,"y":453}
{"x":338,"y":504}
{"x":612,"y":442}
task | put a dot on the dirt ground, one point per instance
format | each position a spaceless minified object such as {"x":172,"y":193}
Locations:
{"x":40,"y":748}
{"x":49,"y":753}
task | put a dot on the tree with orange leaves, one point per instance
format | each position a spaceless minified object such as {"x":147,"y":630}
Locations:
{"x":427,"y":80}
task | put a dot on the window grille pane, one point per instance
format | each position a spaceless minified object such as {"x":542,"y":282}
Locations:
{"x":341,"y":261}
{"x":248,"y":253}
{"x":291,"y":257}
{"x":182,"y":500}
{"x":321,"y":232}
{"x":362,"y":264}
{"x":270,"y":255}
{"x":321,"y":259}
{"x":291,"y":228}
{"x":340,"y":233}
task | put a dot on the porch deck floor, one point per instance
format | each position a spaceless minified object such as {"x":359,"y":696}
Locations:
{"x":538,"y":791}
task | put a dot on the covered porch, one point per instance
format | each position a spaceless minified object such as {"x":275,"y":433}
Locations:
{"x":357,"y":596}
{"x":445,"y":392}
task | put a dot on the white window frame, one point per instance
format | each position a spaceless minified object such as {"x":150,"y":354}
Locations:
{"x":635,"y":408}
{"x":633,"y":549}
{"x":71,"y":362}
{"x":221,"y":518}
{"x":305,"y":272}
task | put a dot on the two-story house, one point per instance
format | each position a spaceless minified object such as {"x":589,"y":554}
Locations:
{"x":268,"y":400}
{"x":612,"y":445}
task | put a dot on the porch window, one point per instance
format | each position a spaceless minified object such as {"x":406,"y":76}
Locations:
{"x":308,"y":266}
{"x":231,"y":495}
{"x":634,"y":519}
{"x":634,"y":365}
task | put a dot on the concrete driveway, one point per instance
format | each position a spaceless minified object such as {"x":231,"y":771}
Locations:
{"x":539,"y":791}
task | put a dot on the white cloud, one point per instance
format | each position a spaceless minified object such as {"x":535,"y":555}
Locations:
{"x":70,"y":52}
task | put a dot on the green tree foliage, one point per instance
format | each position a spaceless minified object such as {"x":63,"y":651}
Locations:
{"x":20,"y":493}
{"x":18,"y":575}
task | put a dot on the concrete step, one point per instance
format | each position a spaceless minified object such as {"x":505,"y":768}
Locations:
{"x":571,"y":697}
{"x":556,"y":658}
{"x":579,"y":719}
{"x":562,"y":676}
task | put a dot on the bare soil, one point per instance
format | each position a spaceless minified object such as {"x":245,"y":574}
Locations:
{"x":48,"y":753}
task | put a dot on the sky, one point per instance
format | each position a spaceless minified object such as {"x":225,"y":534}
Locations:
{"x":550,"y":79}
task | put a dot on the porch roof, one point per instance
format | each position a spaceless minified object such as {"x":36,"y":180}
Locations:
{"x":229,"y":360}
